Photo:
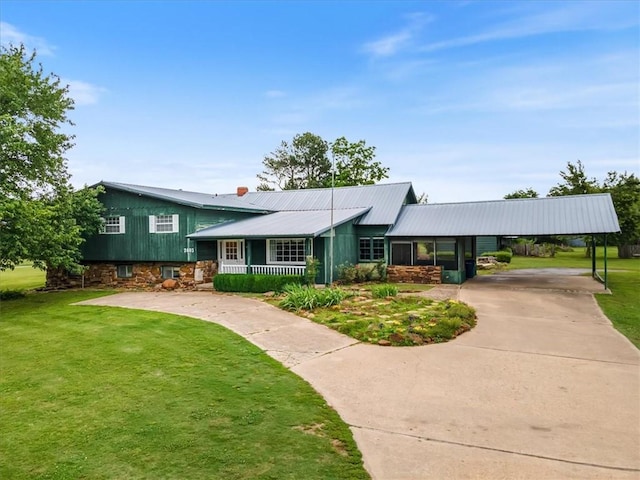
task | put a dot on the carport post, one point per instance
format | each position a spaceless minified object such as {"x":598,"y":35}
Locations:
{"x":605,"y":261}
{"x":593,"y":256}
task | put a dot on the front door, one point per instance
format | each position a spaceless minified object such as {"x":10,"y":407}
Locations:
{"x":231,"y":252}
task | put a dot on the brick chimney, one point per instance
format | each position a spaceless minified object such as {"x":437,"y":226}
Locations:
{"x":242,"y":191}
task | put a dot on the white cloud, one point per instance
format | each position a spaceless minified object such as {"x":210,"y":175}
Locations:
{"x":84,"y":93}
{"x":9,"y":34}
{"x":391,"y":44}
{"x":570,"y":17}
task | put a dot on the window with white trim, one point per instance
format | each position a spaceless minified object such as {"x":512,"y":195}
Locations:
{"x":125,"y":271}
{"x":112,"y":225}
{"x":164,"y":223}
{"x":286,"y":250}
{"x":169,"y":271}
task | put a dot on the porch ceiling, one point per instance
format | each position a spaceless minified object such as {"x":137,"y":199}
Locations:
{"x":301,"y":223}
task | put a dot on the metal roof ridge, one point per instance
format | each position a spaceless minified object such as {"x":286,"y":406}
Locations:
{"x":599,"y":194}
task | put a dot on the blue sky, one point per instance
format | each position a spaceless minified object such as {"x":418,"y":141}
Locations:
{"x":469,"y":100}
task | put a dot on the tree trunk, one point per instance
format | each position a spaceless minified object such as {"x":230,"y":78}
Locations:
{"x":628,"y":251}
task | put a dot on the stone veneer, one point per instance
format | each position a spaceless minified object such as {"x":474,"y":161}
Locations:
{"x":144,"y":275}
{"x":415,"y":274}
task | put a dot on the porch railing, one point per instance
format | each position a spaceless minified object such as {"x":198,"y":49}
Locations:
{"x":263,"y":269}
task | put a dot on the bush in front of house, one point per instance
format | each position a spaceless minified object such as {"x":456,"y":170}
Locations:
{"x":503,"y":256}
{"x":362,"y":272}
{"x":254,"y":283}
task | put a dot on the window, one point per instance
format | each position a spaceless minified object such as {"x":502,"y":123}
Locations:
{"x":125,"y":271}
{"x":112,"y":225}
{"x":163,"y":223}
{"x":446,"y":253}
{"x":286,"y":250}
{"x":371,"y":249}
{"x":424,"y":252}
{"x":170,"y":272}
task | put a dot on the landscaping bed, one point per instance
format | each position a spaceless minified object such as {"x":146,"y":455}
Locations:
{"x":379,"y":316}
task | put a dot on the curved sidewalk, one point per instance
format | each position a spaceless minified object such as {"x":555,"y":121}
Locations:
{"x":543,"y":387}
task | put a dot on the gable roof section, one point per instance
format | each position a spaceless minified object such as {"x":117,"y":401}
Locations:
{"x":297,"y":223}
{"x":384,"y":200}
{"x":191,"y":199}
{"x":570,"y":215}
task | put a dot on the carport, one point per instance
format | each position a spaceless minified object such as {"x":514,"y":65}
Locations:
{"x":458,"y":224}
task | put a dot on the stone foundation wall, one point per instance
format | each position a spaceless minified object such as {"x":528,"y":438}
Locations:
{"x":144,"y":275}
{"x":415,"y":274}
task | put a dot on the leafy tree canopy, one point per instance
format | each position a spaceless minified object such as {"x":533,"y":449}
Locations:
{"x":304,"y":163}
{"x":625,"y":193}
{"x":355,"y":165}
{"x":42,"y":219}
{"x":526,"y":193}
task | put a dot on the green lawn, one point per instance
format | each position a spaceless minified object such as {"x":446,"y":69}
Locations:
{"x":622,"y":307}
{"x":99,"y":392}
{"x":577,"y":259}
{"x":24,"y":277}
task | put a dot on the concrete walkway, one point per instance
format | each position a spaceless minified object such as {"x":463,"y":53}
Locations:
{"x":543,"y":387}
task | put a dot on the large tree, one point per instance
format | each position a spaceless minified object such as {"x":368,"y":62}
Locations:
{"x":355,"y":165}
{"x":625,"y":193}
{"x":304,"y":163}
{"x":42,"y":219}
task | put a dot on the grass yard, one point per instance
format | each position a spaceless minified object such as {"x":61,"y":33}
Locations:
{"x":99,"y":392}
{"x":622,"y":307}
{"x":24,"y":277}
{"x":577,"y":259}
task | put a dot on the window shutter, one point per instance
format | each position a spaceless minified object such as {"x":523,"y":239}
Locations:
{"x":152,"y":224}
{"x":122,"y":225}
{"x":175,"y":223}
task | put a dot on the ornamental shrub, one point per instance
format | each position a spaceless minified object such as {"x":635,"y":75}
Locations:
{"x":384,"y":291}
{"x":254,"y":283}
{"x":300,"y":297}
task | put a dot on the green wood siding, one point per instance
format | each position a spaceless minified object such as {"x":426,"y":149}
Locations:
{"x":207,"y":250}
{"x":258,"y":251}
{"x":486,"y":244}
{"x":137,"y":243}
{"x":345,"y":249}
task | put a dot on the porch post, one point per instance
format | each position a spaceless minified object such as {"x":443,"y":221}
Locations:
{"x":247,"y":255}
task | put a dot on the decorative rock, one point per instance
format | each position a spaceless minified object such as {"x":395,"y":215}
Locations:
{"x":396,"y":338}
{"x":416,"y":339}
{"x":384,"y":343}
{"x":169,"y":284}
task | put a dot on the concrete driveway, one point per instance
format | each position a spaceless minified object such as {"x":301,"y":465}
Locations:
{"x":543,"y":387}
